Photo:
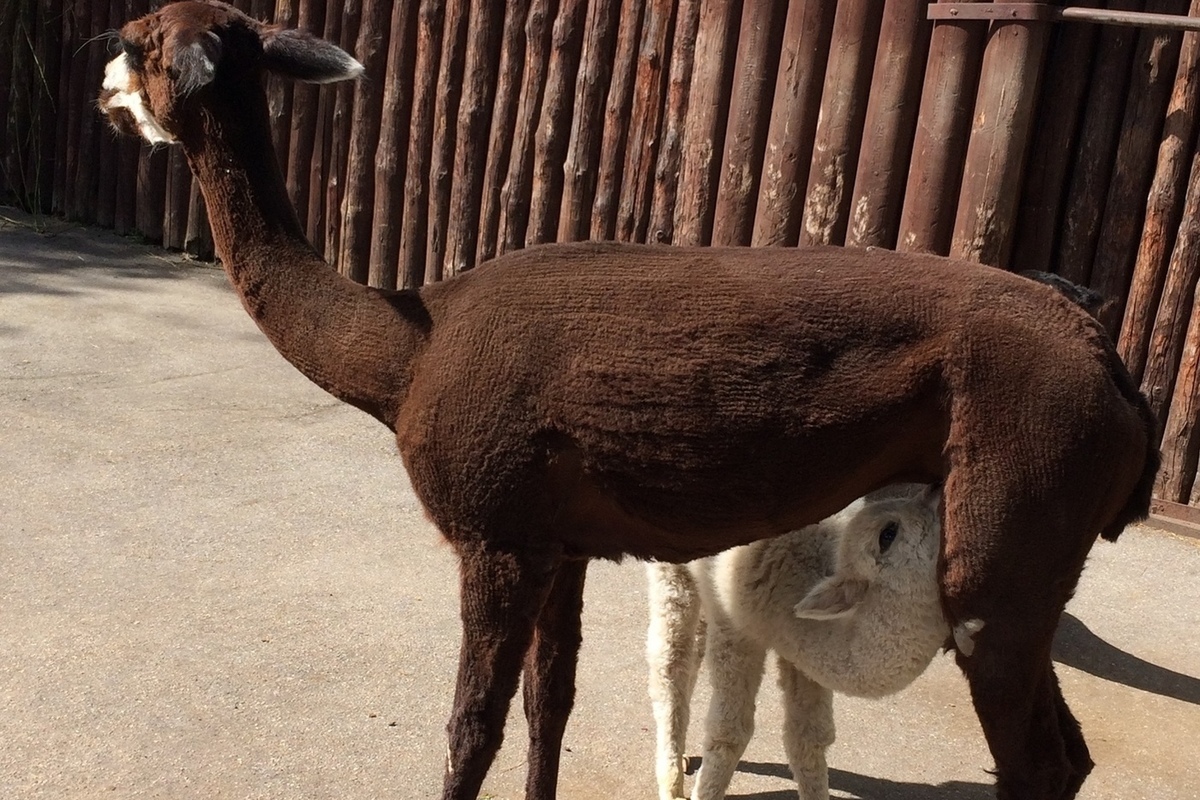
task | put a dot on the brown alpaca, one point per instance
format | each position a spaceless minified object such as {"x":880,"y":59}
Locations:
{"x":582,"y":401}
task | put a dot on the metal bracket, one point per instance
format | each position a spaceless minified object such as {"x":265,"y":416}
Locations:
{"x":998,"y":12}
{"x":1044,"y":12}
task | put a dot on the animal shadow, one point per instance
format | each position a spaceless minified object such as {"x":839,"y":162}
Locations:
{"x":1076,"y":646}
{"x":866,"y":787}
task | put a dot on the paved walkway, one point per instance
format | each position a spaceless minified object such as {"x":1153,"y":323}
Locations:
{"x":216,"y":583}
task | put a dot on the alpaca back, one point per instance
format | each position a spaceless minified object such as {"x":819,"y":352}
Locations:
{"x":894,"y":630}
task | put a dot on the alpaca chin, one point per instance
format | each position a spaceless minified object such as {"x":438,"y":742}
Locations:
{"x":121,"y":93}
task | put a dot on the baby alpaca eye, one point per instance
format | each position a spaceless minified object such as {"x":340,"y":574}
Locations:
{"x":887,"y":536}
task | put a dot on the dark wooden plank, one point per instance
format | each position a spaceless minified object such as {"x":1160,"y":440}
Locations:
{"x":198,"y":242}
{"x":371,"y":49}
{"x":797,"y":103}
{"x":64,"y":125}
{"x":943,"y":131}
{"x":616,"y":121}
{"x":840,"y":125}
{"x":320,"y":172}
{"x":1056,"y":130}
{"x":759,"y":38}
{"x":1004,"y":106}
{"x":392,"y":150}
{"x":646,"y":108}
{"x":591,"y":90}
{"x":509,"y":76}
{"x":890,"y":125}
{"x":279,"y":90}
{"x":1094,"y":153}
{"x":151,"y":192}
{"x":1164,"y":205}
{"x":420,"y":144}
{"x":517,"y":187}
{"x":303,"y":121}
{"x":341,"y":124}
{"x":445,"y":122}
{"x":474,"y":124}
{"x":706,"y":120}
{"x":554,"y":129}
{"x":666,"y":168}
{"x":1149,"y":91}
{"x":178,"y":200}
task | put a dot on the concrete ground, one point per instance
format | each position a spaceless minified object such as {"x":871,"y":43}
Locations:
{"x":217,"y":583}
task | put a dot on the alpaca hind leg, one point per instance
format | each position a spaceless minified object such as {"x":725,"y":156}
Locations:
{"x":502,"y":594}
{"x":550,"y":678}
{"x":673,"y":650}
{"x":1076,"y":747}
{"x":735,"y":669}
{"x":808,"y":730}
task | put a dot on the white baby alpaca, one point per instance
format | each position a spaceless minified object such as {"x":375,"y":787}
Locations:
{"x":849,"y":605}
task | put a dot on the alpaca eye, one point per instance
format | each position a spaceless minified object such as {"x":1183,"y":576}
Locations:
{"x":132,"y":52}
{"x":887,"y":536}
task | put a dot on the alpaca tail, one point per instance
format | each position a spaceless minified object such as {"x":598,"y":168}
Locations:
{"x":1137,"y":506}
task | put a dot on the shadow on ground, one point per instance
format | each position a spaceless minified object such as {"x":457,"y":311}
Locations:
{"x":866,"y":787}
{"x":1077,"y":646}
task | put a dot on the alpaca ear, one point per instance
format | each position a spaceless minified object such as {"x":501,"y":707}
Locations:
{"x":194,"y":65}
{"x":836,"y":596}
{"x":302,"y":56}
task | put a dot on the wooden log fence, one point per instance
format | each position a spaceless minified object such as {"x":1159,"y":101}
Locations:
{"x":481,"y":126}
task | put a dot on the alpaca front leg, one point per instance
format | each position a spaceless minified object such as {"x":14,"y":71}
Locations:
{"x":735,"y":668}
{"x":808,"y":730}
{"x":674,"y":646}
{"x":502,"y":594}
{"x":550,"y":678}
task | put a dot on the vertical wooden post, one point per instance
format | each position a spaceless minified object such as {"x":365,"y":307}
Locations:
{"x":1183,"y":271}
{"x":641,"y":143}
{"x":616,"y":121}
{"x":178,"y":198}
{"x":319,"y":172}
{"x":393,"y":147}
{"x":311,"y":18}
{"x":1150,"y":86}
{"x":666,"y":168}
{"x":151,"y":192}
{"x":279,"y":91}
{"x":1060,"y":109}
{"x":797,"y":104}
{"x":889,"y":125}
{"x":1092,"y":159}
{"x":553,"y":134}
{"x":1163,"y":207}
{"x":341,"y":123}
{"x":706,"y":119}
{"x":87,"y":178}
{"x":746,"y":131}
{"x":504,"y":120}
{"x":354,"y":246}
{"x":420,"y":144}
{"x":445,"y":121}
{"x":516,"y":189}
{"x":474,"y":123}
{"x":62,"y":129}
{"x":1181,"y":440}
{"x":840,"y":125}
{"x":991,"y":185}
{"x":591,"y":90}
{"x":943,"y":130}
{"x":198,"y":242}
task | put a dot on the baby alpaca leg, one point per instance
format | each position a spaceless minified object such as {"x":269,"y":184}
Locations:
{"x":735,"y":667}
{"x":807,"y":730}
{"x":673,"y":650}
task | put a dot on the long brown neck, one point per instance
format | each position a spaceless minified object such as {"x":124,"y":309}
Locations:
{"x":356,"y":343}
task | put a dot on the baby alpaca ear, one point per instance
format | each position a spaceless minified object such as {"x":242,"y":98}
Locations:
{"x":302,"y":56}
{"x":836,"y":596}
